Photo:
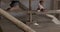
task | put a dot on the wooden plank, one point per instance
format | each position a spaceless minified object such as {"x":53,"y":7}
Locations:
{"x":16,"y":21}
{"x":47,"y":12}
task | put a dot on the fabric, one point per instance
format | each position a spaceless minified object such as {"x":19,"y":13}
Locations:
{"x":41,"y":6}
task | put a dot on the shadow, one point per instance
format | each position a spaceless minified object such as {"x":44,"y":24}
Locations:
{"x":1,"y":29}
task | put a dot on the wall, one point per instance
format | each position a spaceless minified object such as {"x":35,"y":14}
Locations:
{"x":47,"y":4}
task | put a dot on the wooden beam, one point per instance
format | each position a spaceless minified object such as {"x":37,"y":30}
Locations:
{"x":30,"y":10}
{"x":16,"y":21}
{"x":29,"y":4}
